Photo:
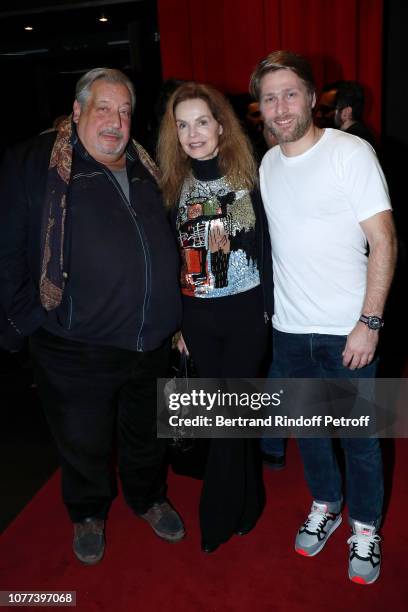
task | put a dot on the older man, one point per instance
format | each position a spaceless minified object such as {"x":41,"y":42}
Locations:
{"x":88,"y":270}
{"x":326,"y":199}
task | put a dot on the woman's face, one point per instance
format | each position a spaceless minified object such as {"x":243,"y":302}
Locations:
{"x":198,"y":131}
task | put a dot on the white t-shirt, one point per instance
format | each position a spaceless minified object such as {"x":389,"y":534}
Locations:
{"x":314,"y":203}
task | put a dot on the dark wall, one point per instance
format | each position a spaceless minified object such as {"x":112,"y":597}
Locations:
{"x":395,"y":88}
{"x":39,"y":85}
{"x":395,"y":97}
{"x":395,"y":158}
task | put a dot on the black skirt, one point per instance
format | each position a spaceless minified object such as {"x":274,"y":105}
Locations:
{"x":227,"y":338}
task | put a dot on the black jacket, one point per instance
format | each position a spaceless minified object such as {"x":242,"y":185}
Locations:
{"x":122,"y":288}
{"x":264,"y":250}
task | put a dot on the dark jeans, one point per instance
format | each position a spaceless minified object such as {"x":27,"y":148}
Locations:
{"x":91,"y":393}
{"x":320,"y":356}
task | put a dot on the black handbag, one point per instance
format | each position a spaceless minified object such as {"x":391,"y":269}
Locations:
{"x":187,"y":456}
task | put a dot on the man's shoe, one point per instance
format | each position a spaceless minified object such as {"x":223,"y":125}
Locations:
{"x":315,"y":531}
{"x":89,"y":540}
{"x":365,"y":554}
{"x":165,"y":522}
{"x":273,"y":462}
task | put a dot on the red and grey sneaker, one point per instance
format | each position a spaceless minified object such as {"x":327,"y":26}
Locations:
{"x":365,"y":553}
{"x":316,"y":529}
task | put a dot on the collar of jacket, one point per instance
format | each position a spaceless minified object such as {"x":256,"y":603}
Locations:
{"x":134,"y":166}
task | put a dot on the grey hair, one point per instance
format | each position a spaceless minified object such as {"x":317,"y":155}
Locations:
{"x":83,"y":87}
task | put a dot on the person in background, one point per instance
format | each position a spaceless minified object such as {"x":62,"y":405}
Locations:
{"x":209,"y":179}
{"x":89,"y":271}
{"x":326,"y":200}
{"x":349,"y":107}
{"x":255,"y":130}
{"x":341,"y":105}
{"x":325,"y":106}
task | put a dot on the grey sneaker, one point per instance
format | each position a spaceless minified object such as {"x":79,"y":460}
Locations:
{"x":315,"y":531}
{"x":89,"y":540}
{"x":165,"y":522}
{"x":365,"y":553}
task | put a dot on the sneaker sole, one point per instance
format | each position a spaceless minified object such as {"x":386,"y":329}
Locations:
{"x":362,"y":581}
{"x":305,"y":553}
{"x":167,"y":538}
{"x":89,"y":560}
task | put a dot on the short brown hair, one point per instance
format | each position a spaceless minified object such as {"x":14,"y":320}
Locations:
{"x":278,"y":60}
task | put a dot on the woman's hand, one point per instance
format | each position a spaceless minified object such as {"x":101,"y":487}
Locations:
{"x":218,"y":239}
{"x":178,"y":342}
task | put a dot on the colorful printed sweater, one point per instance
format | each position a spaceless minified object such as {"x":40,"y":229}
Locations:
{"x":217,"y":233}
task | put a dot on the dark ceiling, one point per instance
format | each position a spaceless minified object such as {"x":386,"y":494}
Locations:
{"x":41,"y":66}
{"x":65,"y":26}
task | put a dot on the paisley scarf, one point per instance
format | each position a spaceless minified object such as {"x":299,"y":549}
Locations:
{"x":53,"y":276}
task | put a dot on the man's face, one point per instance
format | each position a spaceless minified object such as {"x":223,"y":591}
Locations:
{"x":103,"y":122}
{"x":325,"y":109}
{"x":286,"y":105}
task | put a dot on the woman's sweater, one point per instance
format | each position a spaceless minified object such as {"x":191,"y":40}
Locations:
{"x":216,"y":230}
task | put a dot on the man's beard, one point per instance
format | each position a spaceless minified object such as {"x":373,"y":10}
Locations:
{"x":107,"y":149}
{"x":297,"y":131}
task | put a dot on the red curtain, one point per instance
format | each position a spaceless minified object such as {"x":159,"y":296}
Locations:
{"x":220,"y":41}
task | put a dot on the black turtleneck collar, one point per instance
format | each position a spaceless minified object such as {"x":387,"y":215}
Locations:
{"x":206,"y":169}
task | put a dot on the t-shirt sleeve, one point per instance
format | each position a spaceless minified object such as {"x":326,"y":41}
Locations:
{"x":364,"y":183}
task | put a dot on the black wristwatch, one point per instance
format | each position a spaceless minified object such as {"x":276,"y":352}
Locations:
{"x":372,"y":321}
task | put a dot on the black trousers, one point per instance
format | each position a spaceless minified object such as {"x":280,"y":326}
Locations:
{"x":97,"y":397}
{"x":227,"y":338}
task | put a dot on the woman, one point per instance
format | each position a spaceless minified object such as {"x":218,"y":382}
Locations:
{"x":209,"y":178}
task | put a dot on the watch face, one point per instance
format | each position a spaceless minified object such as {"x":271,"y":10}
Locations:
{"x":374,"y":322}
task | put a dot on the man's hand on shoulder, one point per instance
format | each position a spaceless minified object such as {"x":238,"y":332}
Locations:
{"x":360,"y":347}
